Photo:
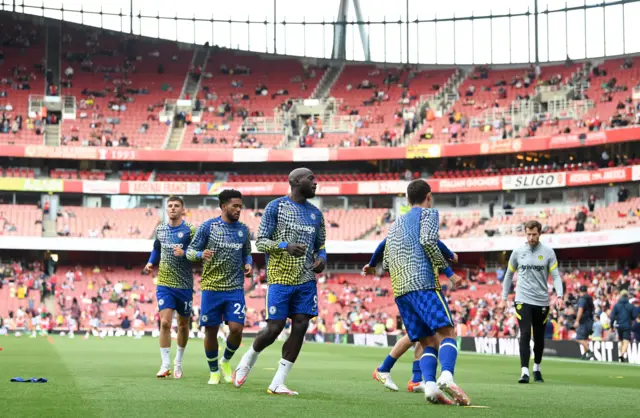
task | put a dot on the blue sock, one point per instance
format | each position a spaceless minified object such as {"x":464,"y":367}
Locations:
{"x":417,"y":372}
{"x":229,"y":351}
{"x":212,"y":359}
{"x":429,"y":364}
{"x":448,"y":354}
{"x":387,"y":364}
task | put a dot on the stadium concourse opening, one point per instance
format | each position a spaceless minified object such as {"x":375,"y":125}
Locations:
{"x":107,"y":125}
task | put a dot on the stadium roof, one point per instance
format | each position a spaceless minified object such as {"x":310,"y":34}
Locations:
{"x":457,"y":32}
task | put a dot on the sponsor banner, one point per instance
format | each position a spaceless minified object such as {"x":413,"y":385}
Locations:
{"x":250,"y":155}
{"x":75,"y":186}
{"x":350,"y":188}
{"x":163,"y":188}
{"x":368,"y":153}
{"x":382,"y":187}
{"x":578,"y":140}
{"x":118,"y":154}
{"x":371,"y":340}
{"x":72,"y":153}
{"x":603,"y":351}
{"x":43,"y":185}
{"x":325,"y":154}
{"x":336,"y":188}
{"x":311,"y":154}
{"x":607,"y":175}
{"x":533,"y":181}
{"x":501,"y":146}
{"x":12,"y":184}
{"x":468,"y":184}
{"x":100,"y":187}
{"x":423,"y":151}
{"x":31,"y":185}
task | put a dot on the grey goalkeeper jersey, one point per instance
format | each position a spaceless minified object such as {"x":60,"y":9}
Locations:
{"x":533,"y":266}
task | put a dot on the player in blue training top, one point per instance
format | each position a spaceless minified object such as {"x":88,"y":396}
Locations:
{"x":223,"y":244}
{"x":292,"y":233}
{"x":175,"y":282}
{"x":413,"y":259}
{"x":383,"y":373}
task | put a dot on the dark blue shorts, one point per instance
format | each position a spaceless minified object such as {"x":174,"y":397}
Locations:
{"x":285,"y":300}
{"x":179,"y":300}
{"x":624,"y":334}
{"x":218,"y":307}
{"x":584,"y":331}
{"x":423,"y":312}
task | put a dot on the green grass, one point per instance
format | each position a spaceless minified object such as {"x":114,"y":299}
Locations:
{"x":115,"y":377}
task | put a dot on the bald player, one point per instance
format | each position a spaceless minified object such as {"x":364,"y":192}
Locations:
{"x":292,"y":234}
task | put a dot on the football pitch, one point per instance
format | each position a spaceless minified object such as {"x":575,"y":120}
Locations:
{"x":115,"y":377}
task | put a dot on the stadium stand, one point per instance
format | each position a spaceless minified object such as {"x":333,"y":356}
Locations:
{"x":20,"y":220}
{"x":18,"y":172}
{"x":237,"y":86}
{"x":71,"y":174}
{"x":383,"y":99}
{"x":118,"y":96}
{"x":343,"y":297}
{"x":186,"y":177}
{"x":610,"y":86}
{"x":121,"y":84}
{"x":347,"y":225}
{"x":135,"y":176}
{"x":341,"y":225}
{"x":21,"y":74}
{"x":86,"y":222}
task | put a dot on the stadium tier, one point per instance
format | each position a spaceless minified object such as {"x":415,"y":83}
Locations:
{"x":107,"y":223}
{"x":119,"y":86}
{"x":241,"y":100}
{"x":591,"y":170}
{"x":21,"y":75}
{"x":342,"y":296}
{"x":20,"y":220}
{"x":342,"y":225}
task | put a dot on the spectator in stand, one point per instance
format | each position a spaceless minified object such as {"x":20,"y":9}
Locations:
{"x":623,"y":194}
{"x":591,"y":203}
{"x":126,"y":324}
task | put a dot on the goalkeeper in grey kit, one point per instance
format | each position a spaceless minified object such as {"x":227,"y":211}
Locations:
{"x":533,"y":262}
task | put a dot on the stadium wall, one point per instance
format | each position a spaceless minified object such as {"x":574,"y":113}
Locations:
{"x":604,"y":351}
{"x":459,"y":245}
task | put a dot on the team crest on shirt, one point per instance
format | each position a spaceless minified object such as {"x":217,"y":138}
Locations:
{"x":240,"y":234}
{"x":204,"y":318}
{"x":180,"y":234}
{"x":161,"y":302}
{"x":519,"y":306}
{"x":540,"y":258}
{"x":272,"y":310}
{"x":313,"y":216}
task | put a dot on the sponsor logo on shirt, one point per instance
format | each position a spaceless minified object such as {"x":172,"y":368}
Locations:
{"x":531,"y":267}
{"x":231,"y":245}
{"x":303,"y":228}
